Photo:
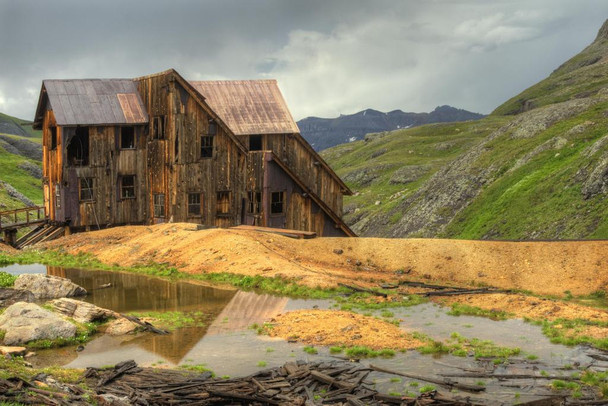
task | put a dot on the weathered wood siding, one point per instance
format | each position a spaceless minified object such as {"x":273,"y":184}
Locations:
{"x":301,"y":212}
{"x":52,"y":165}
{"x":175,"y":165}
{"x":291,"y":150}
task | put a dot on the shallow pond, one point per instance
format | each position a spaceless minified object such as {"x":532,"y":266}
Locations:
{"x":227,"y":346}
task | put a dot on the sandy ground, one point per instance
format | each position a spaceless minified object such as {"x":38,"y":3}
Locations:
{"x":332,"y":327}
{"x":7,"y":249}
{"x":546,"y":268}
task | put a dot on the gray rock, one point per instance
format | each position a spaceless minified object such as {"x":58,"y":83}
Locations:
{"x":14,"y":193}
{"x":121,"y":327}
{"x":408,"y":174}
{"x":31,"y":168}
{"x":10,"y":296}
{"x":48,"y":286}
{"x":24,"y":322}
{"x":81,"y":311}
{"x":597,"y":182}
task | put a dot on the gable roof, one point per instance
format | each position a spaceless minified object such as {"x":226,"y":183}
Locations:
{"x":93,"y":102}
{"x":248,"y":106}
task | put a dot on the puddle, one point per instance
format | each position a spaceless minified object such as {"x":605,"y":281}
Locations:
{"x":227,"y":346}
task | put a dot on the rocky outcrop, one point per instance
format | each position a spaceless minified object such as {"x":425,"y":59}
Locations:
{"x":25,"y":322}
{"x":408,"y":174}
{"x":80,"y":311}
{"x":121,"y":327}
{"x":597,"y":182}
{"x":10,"y":296}
{"x":48,"y":286}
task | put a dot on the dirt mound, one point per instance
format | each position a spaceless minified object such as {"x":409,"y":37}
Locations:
{"x":332,"y":327}
{"x":527,"y":306}
{"x":548,"y":268}
{"x":7,"y":249}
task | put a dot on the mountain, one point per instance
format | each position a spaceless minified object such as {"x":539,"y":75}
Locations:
{"x":324,"y":133}
{"x":20,"y":164}
{"x":536,"y":168}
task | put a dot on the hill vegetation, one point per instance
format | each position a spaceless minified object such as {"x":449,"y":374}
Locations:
{"x":536,"y":168}
{"x":21,"y":166}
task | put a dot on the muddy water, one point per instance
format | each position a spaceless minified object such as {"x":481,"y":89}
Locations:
{"x":227,"y":346}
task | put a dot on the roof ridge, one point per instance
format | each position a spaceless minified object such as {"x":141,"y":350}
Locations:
{"x":234,"y":80}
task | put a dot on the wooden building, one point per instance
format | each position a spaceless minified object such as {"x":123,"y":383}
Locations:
{"x":159,"y":148}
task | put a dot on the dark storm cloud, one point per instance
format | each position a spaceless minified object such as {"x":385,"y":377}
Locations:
{"x":330,"y":57}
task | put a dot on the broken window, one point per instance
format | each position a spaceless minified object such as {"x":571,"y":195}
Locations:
{"x":78,"y":147}
{"x":207,"y":146}
{"x":255,"y":143}
{"x":127,"y":137}
{"x":223,"y":203}
{"x":159,"y":205}
{"x":127,"y":187}
{"x":57,"y":196}
{"x":158,"y":129}
{"x":212,"y":127}
{"x":277,"y":202}
{"x":194,"y":204}
{"x":255,"y":202}
{"x":86,"y":190}
{"x":53,"y":131}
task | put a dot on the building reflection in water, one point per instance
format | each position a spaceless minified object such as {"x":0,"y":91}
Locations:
{"x":225,"y":311}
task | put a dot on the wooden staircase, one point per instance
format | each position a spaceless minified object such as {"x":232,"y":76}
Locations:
{"x":45,"y":232}
{"x":13,"y":220}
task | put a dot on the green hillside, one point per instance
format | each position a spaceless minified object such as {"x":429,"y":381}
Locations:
{"x":537,"y":168}
{"x":20,"y":164}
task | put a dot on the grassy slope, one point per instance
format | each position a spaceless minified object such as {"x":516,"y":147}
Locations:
{"x":28,"y":128}
{"x":539,"y":199}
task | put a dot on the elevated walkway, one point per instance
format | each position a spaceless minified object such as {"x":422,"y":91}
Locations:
{"x":12,"y":221}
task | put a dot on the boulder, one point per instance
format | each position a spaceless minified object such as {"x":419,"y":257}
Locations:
{"x":48,"y":286}
{"x":24,"y":322}
{"x":9,"y":296}
{"x":81,"y":311}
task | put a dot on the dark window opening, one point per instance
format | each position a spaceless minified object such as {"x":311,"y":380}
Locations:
{"x":255,"y":143}
{"x":158,"y":132}
{"x":255,"y":202}
{"x":127,"y":137}
{"x":57,"y":196}
{"x":86,"y":190}
{"x":207,"y":146}
{"x":53,"y":131}
{"x":277,"y":202}
{"x":176,"y":146}
{"x":212,"y":127}
{"x":78,"y":148}
{"x":194,"y":204}
{"x":127,"y":187}
{"x":223,"y":203}
{"x":159,"y":205}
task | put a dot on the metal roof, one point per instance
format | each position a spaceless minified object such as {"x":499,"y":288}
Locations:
{"x":248,"y":106}
{"x":95,"y":102}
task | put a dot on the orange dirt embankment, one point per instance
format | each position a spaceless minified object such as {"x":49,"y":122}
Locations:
{"x":547,"y":268}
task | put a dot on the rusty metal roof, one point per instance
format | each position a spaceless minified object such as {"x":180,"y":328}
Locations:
{"x":95,"y":102}
{"x":248,"y":106}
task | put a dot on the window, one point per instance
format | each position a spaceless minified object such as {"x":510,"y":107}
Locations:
{"x":78,"y":148}
{"x":255,"y":143}
{"x":127,"y":187}
{"x":53,"y":131}
{"x":255,"y":202}
{"x":57,"y":196}
{"x":159,"y":205}
{"x":277,"y":202}
{"x":207,"y":146}
{"x":158,"y":129}
{"x":194,"y":204}
{"x":127,"y":138}
{"x":86,"y":190}
{"x":223,"y":203}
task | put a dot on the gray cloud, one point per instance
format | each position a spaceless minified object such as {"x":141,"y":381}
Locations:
{"x":330,"y":57}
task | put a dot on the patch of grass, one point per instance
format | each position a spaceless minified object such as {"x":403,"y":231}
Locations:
{"x":395,"y":380}
{"x":174,"y":320}
{"x":426,"y":388}
{"x":84,"y":333}
{"x":459,"y":309}
{"x":6,"y":279}
{"x":309,"y":349}
{"x":335,"y":350}
{"x":572,"y":332}
{"x":262,"y":364}
{"x":196,"y":368}
{"x":458,"y":345}
{"x":360,"y":351}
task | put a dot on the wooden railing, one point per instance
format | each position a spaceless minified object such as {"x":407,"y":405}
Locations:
{"x":13,"y":219}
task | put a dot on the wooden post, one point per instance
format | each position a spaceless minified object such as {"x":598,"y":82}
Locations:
{"x":10,"y":237}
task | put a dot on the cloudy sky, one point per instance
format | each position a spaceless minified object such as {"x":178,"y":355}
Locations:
{"x":330,"y":57}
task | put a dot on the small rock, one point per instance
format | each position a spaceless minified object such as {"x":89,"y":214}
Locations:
{"x":338,"y":251}
{"x":121,"y":327}
{"x":113,"y":400}
{"x":81,"y":311}
{"x":350,"y":327}
{"x":13,"y":351}
{"x":29,"y":354}
{"x":377,"y":203}
{"x":356,"y":337}
{"x":11,"y":296}
{"x":358,"y":263}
